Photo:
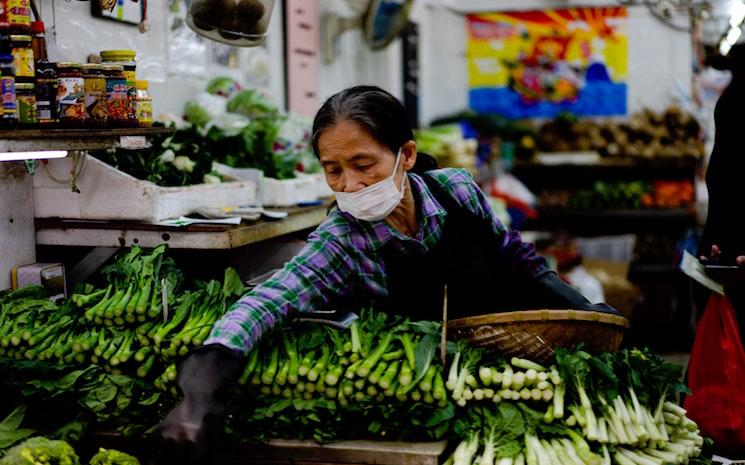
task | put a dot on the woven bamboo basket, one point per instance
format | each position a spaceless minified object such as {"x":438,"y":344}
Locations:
{"x":536,"y":334}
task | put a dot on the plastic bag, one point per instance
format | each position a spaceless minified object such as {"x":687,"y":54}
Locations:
{"x":716,"y":376}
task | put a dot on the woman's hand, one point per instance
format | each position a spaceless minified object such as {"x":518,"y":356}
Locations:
{"x":188,"y":431}
{"x":716,"y":253}
{"x":731,"y":278}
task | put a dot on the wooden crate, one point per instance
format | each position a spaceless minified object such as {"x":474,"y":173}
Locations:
{"x":281,"y":452}
{"x":294,"y":452}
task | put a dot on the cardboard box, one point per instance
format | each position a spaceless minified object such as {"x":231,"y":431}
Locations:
{"x":48,"y":275}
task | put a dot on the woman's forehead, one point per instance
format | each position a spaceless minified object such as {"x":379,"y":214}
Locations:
{"x":347,"y":138}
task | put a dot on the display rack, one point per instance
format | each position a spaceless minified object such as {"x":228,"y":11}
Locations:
{"x":607,"y":169}
{"x":599,"y":222}
{"x":59,"y":232}
{"x":22,"y":140}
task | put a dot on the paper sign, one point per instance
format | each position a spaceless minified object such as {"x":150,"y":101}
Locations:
{"x":133,"y":142}
{"x":693,"y":268}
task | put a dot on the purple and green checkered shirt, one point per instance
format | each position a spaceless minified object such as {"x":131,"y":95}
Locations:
{"x":344,"y":254}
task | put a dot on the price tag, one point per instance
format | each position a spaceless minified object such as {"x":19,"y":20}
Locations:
{"x":133,"y":142}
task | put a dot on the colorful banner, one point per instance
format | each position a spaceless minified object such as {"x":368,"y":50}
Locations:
{"x":540,"y":63}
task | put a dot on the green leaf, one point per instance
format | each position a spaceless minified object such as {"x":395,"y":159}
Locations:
{"x":441,"y":415}
{"x":426,"y":327}
{"x":152,"y":399}
{"x":14,"y":419}
{"x":10,"y":437}
{"x":122,"y":402}
{"x":508,"y":449}
{"x":512,"y":420}
{"x":104,"y":393}
{"x":424,"y":354}
{"x":439,"y":431}
{"x":232,"y":284}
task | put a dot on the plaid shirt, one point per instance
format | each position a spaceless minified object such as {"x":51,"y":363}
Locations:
{"x":344,"y":254}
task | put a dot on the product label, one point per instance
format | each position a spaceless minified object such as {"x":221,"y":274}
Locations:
{"x":95,"y":99}
{"x":144,"y":111}
{"x":71,"y":98}
{"x":130,"y":77}
{"x":8,"y":91}
{"x":23,"y":62}
{"x":26,"y":109}
{"x":117,"y":100}
{"x":19,"y":12}
{"x":43,"y":110}
{"x":46,"y":100}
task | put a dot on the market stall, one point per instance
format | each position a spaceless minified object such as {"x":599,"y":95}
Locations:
{"x":173,"y":189}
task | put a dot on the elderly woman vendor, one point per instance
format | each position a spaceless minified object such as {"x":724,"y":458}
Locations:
{"x":400,"y":231}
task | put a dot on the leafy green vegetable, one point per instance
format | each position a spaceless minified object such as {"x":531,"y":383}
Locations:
{"x":253,"y":104}
{"x":40,"y":450}
{"x":113,"y":457}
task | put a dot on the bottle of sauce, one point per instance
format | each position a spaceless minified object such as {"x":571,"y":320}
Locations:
{"x":8,"y":90}
{"x":23,"y":58}
{"x":26,"y":102}
{"x":19,"y":15}
{"x":126,"y":59}
{"x":144,"y":105}
{"x":117,"y":101}
{"x":95,"y":95}
{"x":38,"y":41}
{"x":71,"y":95}
{"x":46,"y":93}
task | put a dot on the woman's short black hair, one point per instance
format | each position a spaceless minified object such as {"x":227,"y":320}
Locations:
{"x":381,"y":114}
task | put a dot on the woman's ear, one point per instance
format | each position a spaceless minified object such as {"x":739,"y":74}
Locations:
{"x":408,"y":153}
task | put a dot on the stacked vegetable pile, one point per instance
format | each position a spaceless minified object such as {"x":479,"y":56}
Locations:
{"x":107,"y":352}
{"x":329,"y":384}
{"x":647,"y":134}
{"x":111,"y":350}
{"x":611,"y":408}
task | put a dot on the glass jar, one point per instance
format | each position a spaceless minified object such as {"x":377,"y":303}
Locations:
{"x":26,"y":103}
{"x":126,"y":59}
{"x":19,"y":15}
{"x":38,"y":40}
{"x":23,"y":58}
{"x":117,"y":101}
{"x":46,"y":93}
{"x":71,"y":95}
{"x":95,"y":95}
{"x":144,"y":105}
{"x":8,"y":90}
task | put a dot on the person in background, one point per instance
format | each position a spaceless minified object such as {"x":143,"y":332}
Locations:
{"x":401,"y":230}
{"x":724,"y":236}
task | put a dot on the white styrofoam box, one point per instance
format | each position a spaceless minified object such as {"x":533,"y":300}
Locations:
{"x":109,"y":194}
{"x":281,"y":192}
{"x":612,"y":248}
{"x":288,"y":192}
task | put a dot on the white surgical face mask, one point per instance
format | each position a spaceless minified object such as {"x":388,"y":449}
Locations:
{"x":376,"y":201}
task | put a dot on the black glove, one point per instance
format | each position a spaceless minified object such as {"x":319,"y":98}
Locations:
{"x":552,"y":292}
{"x":188,"y":430}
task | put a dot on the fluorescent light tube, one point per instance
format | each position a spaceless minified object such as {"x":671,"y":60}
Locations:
{"x":724,"y":47}
{"x":738,"y":14}
{"x":734,"y":34}
{"x":38,"y":155}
